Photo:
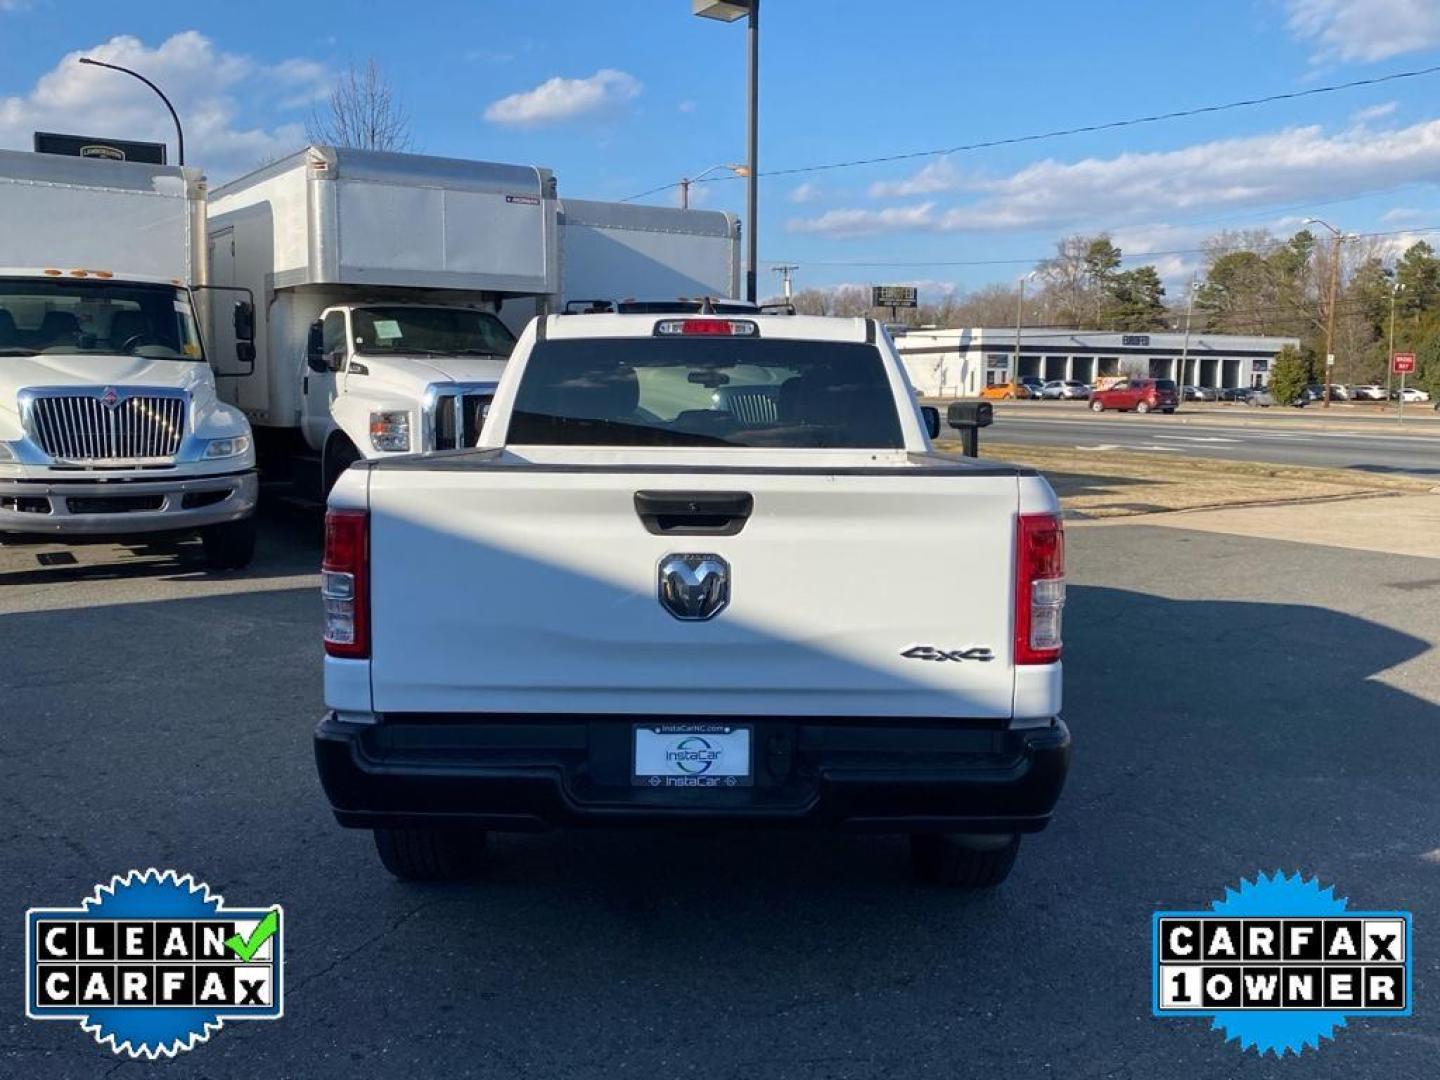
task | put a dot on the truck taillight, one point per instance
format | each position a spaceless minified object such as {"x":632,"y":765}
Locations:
{"x":345,"y":583}
{"x":1039,"y":588}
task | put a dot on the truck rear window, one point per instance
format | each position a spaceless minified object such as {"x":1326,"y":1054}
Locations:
{"x":705,"y":392}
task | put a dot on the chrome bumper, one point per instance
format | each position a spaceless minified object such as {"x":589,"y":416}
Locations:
{"x":86,"y":508}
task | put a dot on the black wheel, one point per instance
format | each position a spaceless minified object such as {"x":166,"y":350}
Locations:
{"x":970,"y":862}
{"x":229,"y":546}
{"x":339,"y":456}
{"x":431,"y":854}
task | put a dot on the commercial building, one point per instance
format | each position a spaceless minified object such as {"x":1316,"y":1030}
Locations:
{"x":959,"y":363}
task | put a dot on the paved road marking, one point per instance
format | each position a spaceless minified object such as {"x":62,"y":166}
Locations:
{"x":1199,"y":438}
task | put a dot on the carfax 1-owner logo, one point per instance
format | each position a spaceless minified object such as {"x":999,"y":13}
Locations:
{"x":153,"y":963}
{"x":1280,"y":963}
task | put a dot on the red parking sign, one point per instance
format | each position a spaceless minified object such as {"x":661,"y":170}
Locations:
{"x":1403,"y":363}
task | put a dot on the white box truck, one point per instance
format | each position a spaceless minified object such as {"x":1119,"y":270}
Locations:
{"x":384,"y":284}
{"x":110,"y":425}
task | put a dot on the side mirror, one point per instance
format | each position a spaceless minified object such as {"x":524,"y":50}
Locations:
{"x":315,"y":348}
{"x":245,"y":354}
{"x":244,"y":321}
{"x":932,"y":420}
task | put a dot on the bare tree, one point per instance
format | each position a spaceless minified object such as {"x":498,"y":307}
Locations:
{"x":362,"y":113}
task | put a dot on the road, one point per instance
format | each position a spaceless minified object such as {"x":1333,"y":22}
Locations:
{"x":1280,"y":442}
{"x":1238,"y":705}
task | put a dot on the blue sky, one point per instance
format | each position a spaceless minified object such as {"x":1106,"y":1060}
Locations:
{"x":618,"y":98}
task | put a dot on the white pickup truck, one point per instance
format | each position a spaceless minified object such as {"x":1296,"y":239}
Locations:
{"x":699,"y":569}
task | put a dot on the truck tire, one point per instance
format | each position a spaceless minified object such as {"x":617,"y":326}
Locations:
{"x":970,"y":862}
{"x":431,"y":854}
{"x":229,"y":546}
{"x":339,"y":456}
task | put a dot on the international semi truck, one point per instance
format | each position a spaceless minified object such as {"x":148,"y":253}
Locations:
{"x":390,"y":287}
{"x":110,"y":424}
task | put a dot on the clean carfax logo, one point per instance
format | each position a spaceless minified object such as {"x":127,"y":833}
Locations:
{"x":1279,"y":963}
{"x":153,"y":963}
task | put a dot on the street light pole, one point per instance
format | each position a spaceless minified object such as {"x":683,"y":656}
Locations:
{"x":729,"y":11}
{"x":179,"y":131}
{"x":1396,"y":288}
{"x":686,"y":181}
{"x":1334,"y":289}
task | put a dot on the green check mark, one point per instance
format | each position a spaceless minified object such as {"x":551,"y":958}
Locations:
{"x":261,"y":934}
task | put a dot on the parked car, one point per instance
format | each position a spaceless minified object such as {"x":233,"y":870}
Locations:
{"x":1233,"y":393}
{"x":941,"y":718}
{"x":1141,"y":395}
{"x":1368,"y":392}
{"x":1201,"y":393}
{"x":1339,"y":392}
{"x":1033,"y":384}
{"x":1065,"y":390}
{"x":1260,"y":397}
{"x":1411,"y":394}
{"x":1006,"y":391}
{"x":1312,"y":393}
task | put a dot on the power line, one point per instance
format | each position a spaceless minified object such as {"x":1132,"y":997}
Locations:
{"x":1084,"y":129}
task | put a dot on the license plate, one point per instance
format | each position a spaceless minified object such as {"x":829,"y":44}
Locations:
{"x":692,"y":756}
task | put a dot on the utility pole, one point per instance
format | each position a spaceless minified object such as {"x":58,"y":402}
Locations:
{"x":1396,"y":288}
{"x":785,"y":270}
{"x":1019,"y":314}
{"x":1185,"y":349}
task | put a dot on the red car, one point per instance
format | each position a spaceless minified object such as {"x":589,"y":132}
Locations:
{"x":1142,"y":395}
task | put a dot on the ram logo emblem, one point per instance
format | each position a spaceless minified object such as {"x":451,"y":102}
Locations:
{"x":694,"y":587}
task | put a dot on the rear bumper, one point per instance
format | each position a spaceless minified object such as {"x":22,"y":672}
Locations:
{"x":61,"y":508}
{"x":518,"y":773}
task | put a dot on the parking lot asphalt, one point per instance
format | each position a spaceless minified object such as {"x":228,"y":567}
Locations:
{"x":1413,"y":450}
{"x":1238,"y":705}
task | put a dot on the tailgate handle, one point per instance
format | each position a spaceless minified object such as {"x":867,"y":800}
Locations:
{"x":694,"y":513}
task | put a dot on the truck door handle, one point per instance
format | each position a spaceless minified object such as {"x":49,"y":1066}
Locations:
{"x":694,"y":513}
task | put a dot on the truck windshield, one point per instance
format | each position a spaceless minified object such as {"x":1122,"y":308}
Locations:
{"x":705,"y":392}
{"x":76,"y":316}
{"x":431,"y":330}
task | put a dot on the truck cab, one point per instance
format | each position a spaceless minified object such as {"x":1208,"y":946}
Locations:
{"x":394,"y":377}
{"x":110,"y":421}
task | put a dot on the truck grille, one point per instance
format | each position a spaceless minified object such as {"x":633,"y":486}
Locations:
{"x":472,"y":410}
{"x":101,"y":427}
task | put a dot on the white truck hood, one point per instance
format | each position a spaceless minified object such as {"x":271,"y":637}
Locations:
{"x":412,"y":374}
{"x":100,"y":370}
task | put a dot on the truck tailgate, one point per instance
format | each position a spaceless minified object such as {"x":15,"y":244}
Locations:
{"x":524,"y":591}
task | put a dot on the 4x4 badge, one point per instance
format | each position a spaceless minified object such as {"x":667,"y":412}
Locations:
{"x":930,"y":652}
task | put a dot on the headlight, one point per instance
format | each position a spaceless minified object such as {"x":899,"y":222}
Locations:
{"x":232,"y":447}
{"x":390,"y":430}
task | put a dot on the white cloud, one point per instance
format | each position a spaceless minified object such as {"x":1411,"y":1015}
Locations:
{"x":804,"y":193}
{"x":563,"y":99}
{"x":1400,"y":214}
{"x":1374,"y":112}
{"x":864,"y":222}
{"x":939,"y":175}
{"x":688,"y":106}
{"x":1365,"y":30}
{"x":203,"y":82}
{"x":1282,"y":167}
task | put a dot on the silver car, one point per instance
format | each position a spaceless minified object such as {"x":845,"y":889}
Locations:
{"x":1065,"y":390}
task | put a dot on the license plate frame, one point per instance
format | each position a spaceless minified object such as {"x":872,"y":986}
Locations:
{"x":692,"y":756}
